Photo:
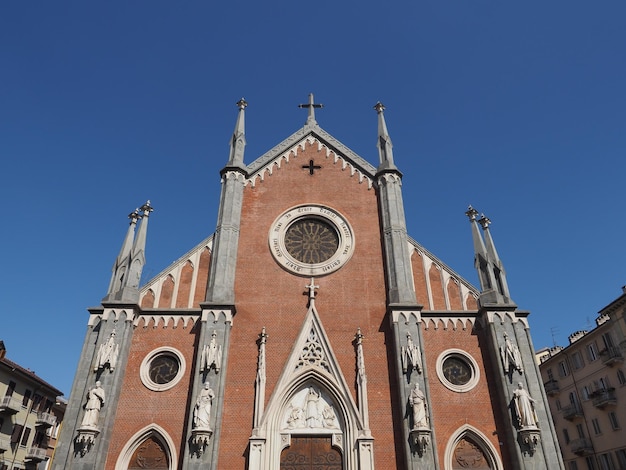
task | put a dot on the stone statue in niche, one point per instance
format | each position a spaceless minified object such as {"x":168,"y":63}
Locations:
{"x":511,"y":357}
{"x":329,"y":417}
{"x":417,"y":400}
{"x":95,"y":400}
{"x":107,"y":354}
{"x":410,"y":356}
{"x":295,"y":418}
{"x":202,"y":408}
{"x":211,"y":355}
{"x":310,"y":410}
{"x":524,"y":408}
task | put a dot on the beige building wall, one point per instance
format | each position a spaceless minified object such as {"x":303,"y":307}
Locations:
{"x":27,"y":419}
{"x":586,"y":387}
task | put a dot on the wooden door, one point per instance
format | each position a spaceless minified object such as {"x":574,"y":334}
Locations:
{"x":311,"y":453}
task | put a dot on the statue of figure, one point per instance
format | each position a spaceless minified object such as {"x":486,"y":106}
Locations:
{"x":107,"y":354}
{"x":511,"y":357}
{"x":417,"y":400}
{"x":524,"y":408}
{"x":211,"y":355}
{"x":95,"y":400}
{"x":312,"y":414}
{"x":410,"y":356}
{"x":328,"y":415}
{"x":295,"y":418}
{"x":202,"y":409}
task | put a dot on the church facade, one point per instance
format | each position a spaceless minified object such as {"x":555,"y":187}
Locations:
{"x":308,"y":332}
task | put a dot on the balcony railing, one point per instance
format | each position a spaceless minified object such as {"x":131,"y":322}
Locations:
{"x":602,"y":398}
{"x":5,"y":445}
{"x":611,"y":355}
{"x":10,"y":405}
{"x":36,"y":453}
{"x":581,"y":446}
{"x":552,"y":387}
{"x":571,"y":412}
{"x":45,"y":419}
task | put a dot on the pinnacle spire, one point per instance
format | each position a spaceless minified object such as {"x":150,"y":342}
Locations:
{"x":385,"y":147}
{"x":238,"y":140}
{"x":311,"y":105}
{"x":493,"y":285}
{"x":127,"y":269}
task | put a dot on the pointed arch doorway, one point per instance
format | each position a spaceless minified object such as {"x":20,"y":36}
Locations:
{"x":311,"y":453}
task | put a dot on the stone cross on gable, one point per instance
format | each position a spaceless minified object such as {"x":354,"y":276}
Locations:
{"x":312,"y":288}
{"x":311,"y":105}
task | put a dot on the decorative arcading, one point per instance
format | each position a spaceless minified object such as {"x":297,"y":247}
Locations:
{"x":292,"y":152}
{"x":165,"y":321}
{"x":173,"y":271}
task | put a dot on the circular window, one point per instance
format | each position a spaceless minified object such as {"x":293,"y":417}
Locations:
{"x":162,"y":369}
{"x":457,"y":370}
{"x":311,"y":240}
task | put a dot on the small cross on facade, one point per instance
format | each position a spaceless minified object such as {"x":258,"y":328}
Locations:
{"x":312,"y":288}
{"x":311,"y":167}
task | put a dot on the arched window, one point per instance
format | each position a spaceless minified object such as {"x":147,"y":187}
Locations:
{"x":469,"y":448}
{"x":151,"y":447}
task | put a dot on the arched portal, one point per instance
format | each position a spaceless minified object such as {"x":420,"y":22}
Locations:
{"x":311,"y":453}
{"x":150,"y":447}
{"x":149,"y":454}
{"x":469,"y":448}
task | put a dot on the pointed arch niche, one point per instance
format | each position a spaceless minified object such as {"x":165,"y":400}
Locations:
{"x":153,"y":445}
{"x":312,"y":400}
{"x":469,"y":448}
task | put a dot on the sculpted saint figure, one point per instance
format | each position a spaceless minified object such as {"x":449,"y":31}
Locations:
{"x":202,"y":409}
{"x":410,"y":356}
{"x":524,"y":407}
{"x":95,"y":400}
{"x":328,"y":414}
{"x":211,"y":355}
{"x":107,"y":354}
{"x":312,"y":413}
{"x":511,"y":357}
{"x":417,"y":400}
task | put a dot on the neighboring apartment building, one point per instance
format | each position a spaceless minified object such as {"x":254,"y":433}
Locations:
{"x":30,"y":417}
{"x":586,"y":387}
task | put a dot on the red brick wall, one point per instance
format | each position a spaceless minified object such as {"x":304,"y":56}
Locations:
{"x":450,"y":409}
{"x":267,"y":295}
{"x":139,"y":406}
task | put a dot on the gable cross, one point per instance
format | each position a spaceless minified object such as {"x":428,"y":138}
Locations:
{"x":311,"y":105}
{"x":311,"y":167}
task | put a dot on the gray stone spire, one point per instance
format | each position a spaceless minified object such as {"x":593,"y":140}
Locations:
{"x":120,"y":267}
{"x":238,"y":141}
{"x":127,"y":270}
{"x":400,"y":287}
{"x":385,"y":147}
{"x":493,"y":285}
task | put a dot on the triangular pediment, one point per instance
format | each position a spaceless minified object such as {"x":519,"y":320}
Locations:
{"x":310,"y":134}
{"x":312,"y":368}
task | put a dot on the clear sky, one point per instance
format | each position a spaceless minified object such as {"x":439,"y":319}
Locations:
{"x":517,"y":108}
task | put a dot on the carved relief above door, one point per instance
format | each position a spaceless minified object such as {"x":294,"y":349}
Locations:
{"x":469,"y":455}
{"x":311,"y":453}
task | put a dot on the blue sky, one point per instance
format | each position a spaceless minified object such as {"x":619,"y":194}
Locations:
{"x":517,"y":108}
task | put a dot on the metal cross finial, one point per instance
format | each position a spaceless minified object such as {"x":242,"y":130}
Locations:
{"x":379,"y":107}
{"x":134,"y":215}
{"x":242,"y":103}
{"x":312,"y":288}
{"x":311,"y":105}
{"x":484,"y":222}
{"x":471,"y":213}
